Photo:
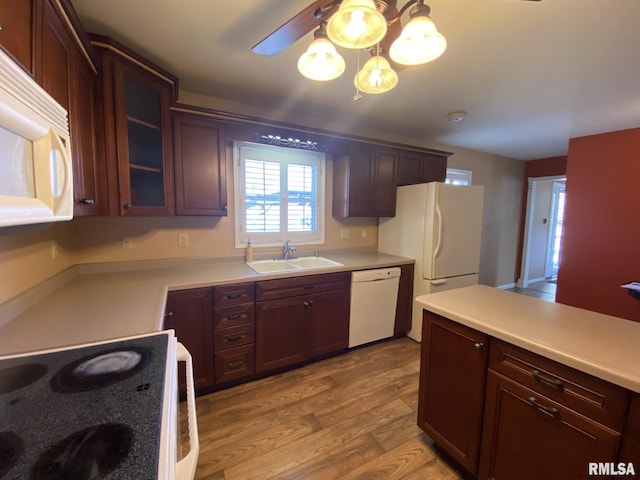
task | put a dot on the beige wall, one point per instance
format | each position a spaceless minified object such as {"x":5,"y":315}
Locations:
{"x":502,"y":179}
{"x":26,"y":257}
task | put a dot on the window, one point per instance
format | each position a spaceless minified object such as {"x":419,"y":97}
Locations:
{"x":279,"y":195}
{"x":458,"y":177}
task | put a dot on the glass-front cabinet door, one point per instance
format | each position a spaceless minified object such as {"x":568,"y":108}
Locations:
{"x":143,"y":143}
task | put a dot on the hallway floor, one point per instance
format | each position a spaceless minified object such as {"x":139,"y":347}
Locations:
{"x":545,"y":290}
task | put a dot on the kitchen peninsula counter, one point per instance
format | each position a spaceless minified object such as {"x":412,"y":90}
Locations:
{"x":91,"y":303}
{"x":601,"y":345}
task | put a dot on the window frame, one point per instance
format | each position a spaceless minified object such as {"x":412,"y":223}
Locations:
{"x":458,"y":174}
{"x":283,"y":156}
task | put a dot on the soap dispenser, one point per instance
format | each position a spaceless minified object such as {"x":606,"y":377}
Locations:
{"x":249,"y":252}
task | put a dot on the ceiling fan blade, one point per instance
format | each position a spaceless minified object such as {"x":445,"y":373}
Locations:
{"x":295,"y":28}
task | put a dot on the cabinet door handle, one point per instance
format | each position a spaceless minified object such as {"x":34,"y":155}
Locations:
{"x":308,"y":303}
{"x":127,"y":205}
{"x":168,"y":314}
{"x":87,"y":201}
{"x":234,"y":365}
{"x":549,"y":381}
{"x":235,"y":337}
{"x":550,"y":410}
{"x":478,"y":345}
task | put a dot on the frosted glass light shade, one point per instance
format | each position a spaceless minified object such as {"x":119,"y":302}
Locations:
{"x":376,"y":76}
{"x":321,"y":61}
{"x":420,"y":42}
{"x":357,"y":24}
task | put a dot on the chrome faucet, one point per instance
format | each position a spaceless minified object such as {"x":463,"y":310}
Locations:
{"x":287,"y":250}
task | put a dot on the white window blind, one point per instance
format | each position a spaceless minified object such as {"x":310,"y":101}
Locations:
{"x":279,"y":195}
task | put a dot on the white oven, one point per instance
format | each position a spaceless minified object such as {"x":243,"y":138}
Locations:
{"x":102,"y":410}
{"x":36,"y":175}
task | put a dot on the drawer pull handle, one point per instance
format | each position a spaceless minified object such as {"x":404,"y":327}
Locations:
{"x":550,"y":410}
{"x":478,"y":345}
{"x":234,"y":365}
{"x":233,"y":316}
{"x":233,"y":295}
{"x":307,"y":286}
{"x":549,"y":381}
{"x":235,"y":337}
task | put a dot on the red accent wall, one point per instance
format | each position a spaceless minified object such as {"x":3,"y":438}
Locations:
{"x":601,"y":241}
{"x":544,"y":167}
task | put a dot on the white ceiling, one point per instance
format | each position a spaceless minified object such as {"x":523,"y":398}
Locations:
{"x":531,"y":75}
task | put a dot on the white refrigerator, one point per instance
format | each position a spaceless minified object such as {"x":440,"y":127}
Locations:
{"x":440,"y":226}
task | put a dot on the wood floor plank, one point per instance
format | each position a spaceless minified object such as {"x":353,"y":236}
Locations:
{"x":348,"y":417}
{"x":396,"y":463}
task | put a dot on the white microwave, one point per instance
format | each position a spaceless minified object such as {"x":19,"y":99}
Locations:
{"x":36,"y":174}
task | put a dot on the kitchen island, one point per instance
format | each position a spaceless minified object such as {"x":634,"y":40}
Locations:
{"x":516,"y":387}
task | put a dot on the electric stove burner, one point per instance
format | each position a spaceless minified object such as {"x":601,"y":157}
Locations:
{"x":89,"y":454}
{"x":99,"y":370}
{"x":11,"y":447}
{"x":14,"y":378}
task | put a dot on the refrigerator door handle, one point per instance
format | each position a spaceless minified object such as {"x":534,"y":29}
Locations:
{"x":436,"y":250}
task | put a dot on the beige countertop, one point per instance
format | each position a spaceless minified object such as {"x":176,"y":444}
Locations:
{"x":97,"y":302}
{"x":604,"y":346}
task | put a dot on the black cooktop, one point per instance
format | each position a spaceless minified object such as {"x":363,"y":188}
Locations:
{"x":85,"y":413}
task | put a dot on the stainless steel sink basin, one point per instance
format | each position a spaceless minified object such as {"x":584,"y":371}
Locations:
{"x":292,"y":264}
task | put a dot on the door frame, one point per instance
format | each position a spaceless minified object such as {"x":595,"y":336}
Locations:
{"x":523,"y":281}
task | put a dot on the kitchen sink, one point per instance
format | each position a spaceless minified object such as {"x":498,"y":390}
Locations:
{"x":291,"y":264}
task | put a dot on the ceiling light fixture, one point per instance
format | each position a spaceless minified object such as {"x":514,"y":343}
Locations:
{"x":376,"y":75}
{"x":361,"y":24}
{"x":321,"y":61}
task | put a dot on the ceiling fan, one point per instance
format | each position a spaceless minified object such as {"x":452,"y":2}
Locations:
{"x":358,"y":24}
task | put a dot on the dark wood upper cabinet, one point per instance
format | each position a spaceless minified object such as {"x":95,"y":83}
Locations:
{"x":138,"y":135}
{"x":419,"y":167}
{"x":364,"y":181}
{"x":200,"y":169}
{"x":17,"y":34}
{"x":69,"y":75}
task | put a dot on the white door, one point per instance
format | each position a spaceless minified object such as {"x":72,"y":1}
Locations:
{"x":452,"y":246}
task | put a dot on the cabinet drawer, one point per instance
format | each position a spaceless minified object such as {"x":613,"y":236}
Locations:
{"x":595,"y":398}
{"x":235,"y":363}
{"x":294,"y":286}
{"x":234,"y":315}
{"x":235,"y":294}
{"x":527,"y":436}
{"x":233,"y":336}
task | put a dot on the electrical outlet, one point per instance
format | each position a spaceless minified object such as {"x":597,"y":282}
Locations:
{"x":127,"y":242}
{"x":55,"y":249}
{"x":183,"y":239}
{"x":345,"y":233}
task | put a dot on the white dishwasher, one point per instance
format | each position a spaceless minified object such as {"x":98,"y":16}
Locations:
{"x":374,"y":295}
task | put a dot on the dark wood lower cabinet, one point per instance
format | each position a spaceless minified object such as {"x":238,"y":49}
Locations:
{"x":310,"y":320}
{"x":190,"y":314}
{"x":504,"y":413}
{"x":452,"y":379}
{"x":280,"y":333}
{"x":529,"y":437}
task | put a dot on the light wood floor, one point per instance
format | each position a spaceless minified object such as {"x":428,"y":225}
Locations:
{"x":349,"y":417}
